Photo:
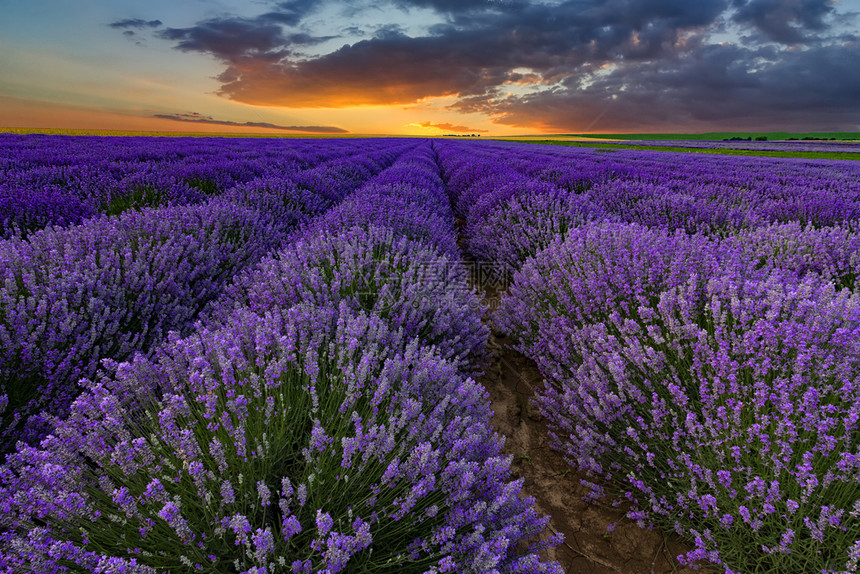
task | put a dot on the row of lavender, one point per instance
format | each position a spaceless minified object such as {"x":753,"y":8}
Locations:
{"x":850,"y":146}
{"x":114,"y":286}
{"x":711,"y":381}
{"x":697,"y":193}
{"x":65,"y":180}
{"x":320,"y":418}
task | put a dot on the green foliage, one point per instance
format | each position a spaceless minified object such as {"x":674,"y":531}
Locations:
{"x":139,"y":198}
{"x":205,"y":185}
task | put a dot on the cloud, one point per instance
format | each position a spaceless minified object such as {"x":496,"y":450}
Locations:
{"x":447,"y":6}
{"x":197,"y":118}
{"x":561,"y":64}
{"x":448,"y":127}
{"x":260,"y":38}
{"x":784,"y":21}
{"x":136,"y":23}
{"x":230,"y":38}
{"x":717,"y":87}
{"x":290,"y":12}
{"x":474,"y":50}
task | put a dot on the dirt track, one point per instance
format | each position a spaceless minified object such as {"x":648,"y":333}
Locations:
{"x":588,"y":549}
{"x":510,"y":378}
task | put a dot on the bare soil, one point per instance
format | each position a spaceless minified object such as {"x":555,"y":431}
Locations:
{"x":588,"y":548}
{"x":510,"y":379}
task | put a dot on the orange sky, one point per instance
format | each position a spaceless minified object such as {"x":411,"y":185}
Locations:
{"x":431,"y":67}
{"x":33,"y":113}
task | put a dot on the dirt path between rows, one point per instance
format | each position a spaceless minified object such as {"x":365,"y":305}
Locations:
{"x":510,"y":378}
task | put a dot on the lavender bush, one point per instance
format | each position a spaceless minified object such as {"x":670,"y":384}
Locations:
{"x":596,"y":269}
{"x":714,"y":391}
{"x":409,"y":197}
{"x":335,"y":179}
{"x":370,"y":208}
{"x":690,"y":206}
{"x":23,"y":210}
{"x":151,"y":188}
{"x":70,"y":297}
{"x":275,"y":446}
{"x":406,"y":282}
{"x":64,"y":180}
{"x":279,"y":200}
{"x":416,"y":178}
{"x":713,"y":194}
{"x":501,"y":181}
{"x":735,"y":423}
{"x":831,"y":252}
{"x":114,"y":286}
{"x":527,"y":223}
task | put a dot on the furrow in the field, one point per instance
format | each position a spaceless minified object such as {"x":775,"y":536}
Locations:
{"x":334,"y":382}
{"x":688,"y":346}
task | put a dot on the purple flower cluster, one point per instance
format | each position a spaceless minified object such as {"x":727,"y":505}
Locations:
{"x":320,"y":419}
{"x":408,"y":198}
{"x":712,"y":194}
{"x":796,"y":146}
{"x":831,"y":252}
{"x":595,"y":270}
{"x":734,"y":423}
{"x":106,"y":289}
{"x":393,"y":265}
{"x":276,"y":440}
{"x":113,"y":286}
{"x":532,"y":220}
{"x":698,"y":334}
{"x":64,"y":180}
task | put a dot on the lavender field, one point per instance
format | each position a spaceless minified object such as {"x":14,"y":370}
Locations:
{"x":762,"y":145}
{"x":260,"y":356}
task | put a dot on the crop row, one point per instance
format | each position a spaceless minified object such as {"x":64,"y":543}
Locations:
{"x":114,"y":286}
{"x":63,"y":181}
{"x":319,"y":417}
{"x":709,"y":381}
{"x":710,"y":194}
{"x":758,"y":145}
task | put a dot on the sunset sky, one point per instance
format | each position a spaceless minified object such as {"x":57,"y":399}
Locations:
{"x":495,"y":67}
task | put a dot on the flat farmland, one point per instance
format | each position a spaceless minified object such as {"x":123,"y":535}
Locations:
{"x":298,"y":355}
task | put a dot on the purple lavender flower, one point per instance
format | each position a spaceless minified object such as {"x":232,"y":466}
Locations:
{"x":372,"y":270}
{"x":434,"y":420}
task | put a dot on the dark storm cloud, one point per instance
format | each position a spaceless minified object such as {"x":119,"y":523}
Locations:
{"x":784,"y":21}
{"x":394,"y":69}
{"x":289,"y":13}
{"x":727,"y":87}
{"x":262,"y":37}
{"x":196,"y":118}
{"x":628,"y":62}
{"x":302,"y":39}
{"x":136,"y":23}
{"x":469,"y":54}
{"x":451,"y":6}
{"x":229,"y":38}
